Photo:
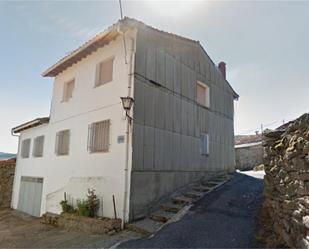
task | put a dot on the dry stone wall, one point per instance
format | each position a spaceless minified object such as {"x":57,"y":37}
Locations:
{"x":286,"y":161}
{"x":7,"y":171}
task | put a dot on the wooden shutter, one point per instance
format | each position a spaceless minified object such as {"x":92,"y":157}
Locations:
{"x":62,"y":142}
{"x":104,"y":72}
{"x":38,"y":146}
{"x":200,"y":94}
{"x":25,"y":148}
{"x":68,"y":90}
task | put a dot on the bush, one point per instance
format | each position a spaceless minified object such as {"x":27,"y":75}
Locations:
{"x":88,"y":207}
{"x":66,"y":207}
{"x":93,"y":202}
{"x":83,"y":208}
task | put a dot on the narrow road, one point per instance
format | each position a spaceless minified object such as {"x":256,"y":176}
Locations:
{"x":226,"y":218}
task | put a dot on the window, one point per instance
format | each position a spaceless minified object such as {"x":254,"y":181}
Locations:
{"x":25,"y":148}
{"x":68,"y":90}
{"x":38,"y":145}
{"x":98,"y":136}
{"x":104,"y":72}
{"x":62,"y":143}
{"x":202,"y":94}
{"x":204,"y":139}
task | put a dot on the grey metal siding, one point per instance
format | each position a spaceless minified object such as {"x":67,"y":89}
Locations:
{"x":168,"y":121}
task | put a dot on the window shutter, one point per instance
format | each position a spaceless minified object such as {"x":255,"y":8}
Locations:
{"x":104,"y":72}
{"x":97,"y":75}
{"x":25,"y":150}
{"x":204,"y":144}
{"x":57,"y":143}
{"x":38,"y":146}
{"x":62,"y":142}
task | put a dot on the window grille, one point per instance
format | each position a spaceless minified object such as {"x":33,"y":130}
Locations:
{"x":98,"y":136}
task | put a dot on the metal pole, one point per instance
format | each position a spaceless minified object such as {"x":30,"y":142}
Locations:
{"x":114,"y":203}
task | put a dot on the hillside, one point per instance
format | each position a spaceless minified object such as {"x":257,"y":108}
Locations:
{"x":4,"y":156}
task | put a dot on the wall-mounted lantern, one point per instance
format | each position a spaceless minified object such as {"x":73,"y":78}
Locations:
{"x":127,"y":103}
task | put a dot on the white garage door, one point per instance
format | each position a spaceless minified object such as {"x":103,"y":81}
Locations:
{"x":30,"y":195}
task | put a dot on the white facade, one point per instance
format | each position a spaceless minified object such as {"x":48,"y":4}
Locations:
{"x":80,"y":170}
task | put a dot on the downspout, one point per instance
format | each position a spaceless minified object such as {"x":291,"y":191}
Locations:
{"x":126,"y":169}
{"x":14,"y":180}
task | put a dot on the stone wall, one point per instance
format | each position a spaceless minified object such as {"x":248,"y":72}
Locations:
{"x":286,"y":206}
{"x":247,"y":157}
{"x":7,"y":171}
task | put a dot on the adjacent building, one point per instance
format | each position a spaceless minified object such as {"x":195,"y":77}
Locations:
{"x":248,"y":151}
{"x":179,"y":129}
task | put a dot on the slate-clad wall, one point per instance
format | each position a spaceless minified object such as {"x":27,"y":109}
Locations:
{"x":168,"y":121}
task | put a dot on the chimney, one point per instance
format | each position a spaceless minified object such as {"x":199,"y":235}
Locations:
{"x":222,"y":68}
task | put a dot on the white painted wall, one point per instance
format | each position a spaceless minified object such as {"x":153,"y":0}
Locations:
{"x":89,"y":104}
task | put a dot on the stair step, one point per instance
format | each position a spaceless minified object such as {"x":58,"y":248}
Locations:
{"x":201,"y":188}
{"x":193,"y":194}
{"x":182,"y":199}
{"x":171,"y":207}
{"x":145,"y":226}
{"x":209,"y":184}
{"x":161,"y":216}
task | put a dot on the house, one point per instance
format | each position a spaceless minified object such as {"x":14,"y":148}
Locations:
{"x":179,"y":129}
{"x":248,"y":151}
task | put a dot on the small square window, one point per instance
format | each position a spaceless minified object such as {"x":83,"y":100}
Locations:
{"x":98,"y":136}
{"x":68,"y":89}
{"x":202,"y":94}
{"x":62,"y":146}
{"x":25,"y":148}
{"x":38,"y":146}
{"x":104,"y":72}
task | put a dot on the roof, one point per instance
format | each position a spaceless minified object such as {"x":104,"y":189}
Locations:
{"x":103,"y":38}
{"x":247,"y":145}
{"x":247,"y":139}
{"x":30,"y":124}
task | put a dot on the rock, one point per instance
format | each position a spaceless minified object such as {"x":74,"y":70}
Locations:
{"x":306,"y":221}
{"x":286,"y":164}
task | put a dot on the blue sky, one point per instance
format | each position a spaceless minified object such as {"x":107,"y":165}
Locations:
{"x":265,"y":46}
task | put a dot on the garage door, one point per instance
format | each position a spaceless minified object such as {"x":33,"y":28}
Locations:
{"x":30,"y":195}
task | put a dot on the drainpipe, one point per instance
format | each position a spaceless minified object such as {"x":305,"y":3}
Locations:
{"x":126,"y":169}
{"x":14,"y":180}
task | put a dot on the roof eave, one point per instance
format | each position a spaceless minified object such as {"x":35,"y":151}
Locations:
{"x":30,"y":124}
{"x":83,"y":51}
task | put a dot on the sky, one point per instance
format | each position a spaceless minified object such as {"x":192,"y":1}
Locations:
{"x":264,"y":44}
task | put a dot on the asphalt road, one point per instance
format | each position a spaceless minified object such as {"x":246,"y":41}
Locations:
{"x":225,"y":218}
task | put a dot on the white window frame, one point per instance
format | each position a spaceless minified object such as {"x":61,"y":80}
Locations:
{"x":207,"y":94}
{"x":22,"y":152}
{"x":36,"y":150}
{"x":98,"y":82}
{"x":92,"y":142}
{"x":65,"y":97}
{"x":58,"y":152}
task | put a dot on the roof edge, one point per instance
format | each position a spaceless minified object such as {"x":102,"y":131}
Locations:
{"x":30,"y":124}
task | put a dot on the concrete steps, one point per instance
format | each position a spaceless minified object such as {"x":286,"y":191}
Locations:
{"x":193,"y":194}
{"x":176,"y":206}
{"x":161,"y":216}
{"x":182,"y":200}
{"x":171,"y":207}
{"x":200,"y":188}
{"x":145,"y":226}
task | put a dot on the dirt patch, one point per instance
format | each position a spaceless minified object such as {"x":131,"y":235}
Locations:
{"x":18,"y":230}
